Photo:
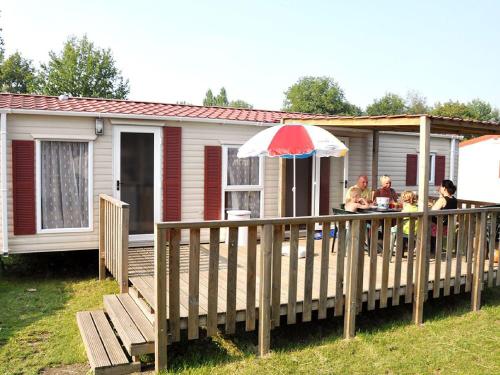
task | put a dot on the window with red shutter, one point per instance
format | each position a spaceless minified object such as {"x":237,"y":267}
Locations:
{"x":23,"y":184}
{"x":172,"y":156}
{"x":213,"y":182}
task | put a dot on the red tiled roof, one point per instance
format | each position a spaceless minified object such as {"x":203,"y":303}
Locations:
{"x":130,"y":107}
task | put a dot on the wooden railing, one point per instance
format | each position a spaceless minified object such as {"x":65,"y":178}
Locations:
{"x":113,"y":239}
{"x":464,"y":237}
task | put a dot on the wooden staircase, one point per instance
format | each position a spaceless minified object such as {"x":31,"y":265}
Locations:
{"x":115,"y":336}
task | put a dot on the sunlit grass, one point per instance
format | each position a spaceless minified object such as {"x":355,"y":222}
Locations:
{"x":38,"y":330}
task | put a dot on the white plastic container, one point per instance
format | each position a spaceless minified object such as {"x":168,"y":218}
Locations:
{"x":382,"y":203}
{"x":242,"y":231}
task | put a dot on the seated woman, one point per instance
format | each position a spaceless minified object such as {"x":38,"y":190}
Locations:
{"x":446,"y":201}
{"x":385,"y":190}
{"x":354,"y":200}
{"x":409,"y":199}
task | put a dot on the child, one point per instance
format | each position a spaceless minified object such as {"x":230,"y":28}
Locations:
{"x":409,"y":199}
{"x":354,"y":200}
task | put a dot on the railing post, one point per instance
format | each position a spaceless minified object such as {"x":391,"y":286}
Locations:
{"x":423,"y":194}
{"x":102,"y":257}
{"x":352,"y":281}
{"x":160,"y":293}
{"x":479,"y":249}
{"x":124,"y":228}
{"x":265,"y":290}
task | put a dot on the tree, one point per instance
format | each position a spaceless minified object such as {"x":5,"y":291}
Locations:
{"x":389,"y":104}
{"x":240,"y":104}
{"x":221,"y":99}
{"x":81,"y":69}
{"x":317,"y":95}
{"x":482,"y":111}
{"x":17,"y":75}
{"x":451,"y":109}
{"x":416,"y":104}
{"x":209,"y":99}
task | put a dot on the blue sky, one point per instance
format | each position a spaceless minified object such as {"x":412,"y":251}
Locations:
{"x":175,"y":50}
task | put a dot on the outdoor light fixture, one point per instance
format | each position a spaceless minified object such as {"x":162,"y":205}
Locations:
{"x":99,"y":126}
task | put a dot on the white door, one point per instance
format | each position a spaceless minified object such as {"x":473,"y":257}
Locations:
{"x":137,"y":176}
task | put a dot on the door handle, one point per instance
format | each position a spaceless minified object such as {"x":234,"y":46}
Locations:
{"x":117,"y":185}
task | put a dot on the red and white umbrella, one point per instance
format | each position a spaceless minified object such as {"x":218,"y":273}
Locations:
{"x":293,"y":141}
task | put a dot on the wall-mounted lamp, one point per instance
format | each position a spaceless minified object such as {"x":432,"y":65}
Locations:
{"x":99,"y":126}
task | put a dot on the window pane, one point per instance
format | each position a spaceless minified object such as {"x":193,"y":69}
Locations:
{"x":243,"y":200}
{"x":241,"y":171}
{"x":64,"y":184}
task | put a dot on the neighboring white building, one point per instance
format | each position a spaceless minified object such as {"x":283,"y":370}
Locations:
{"x":479,"y":169}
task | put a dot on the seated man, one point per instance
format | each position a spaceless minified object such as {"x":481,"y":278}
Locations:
{"x":385,"y":190}
{"x":362,"y":185}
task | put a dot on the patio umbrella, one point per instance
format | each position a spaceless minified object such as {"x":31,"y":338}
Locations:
{"x":293,"y":141}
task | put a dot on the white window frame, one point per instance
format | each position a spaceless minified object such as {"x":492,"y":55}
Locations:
{"x":229,"y":188}
{"x":38,"y":171}
{"x":432,"y":167}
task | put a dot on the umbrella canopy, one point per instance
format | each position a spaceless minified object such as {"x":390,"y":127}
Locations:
{"x":289,"y":141}
{"x":293,"y":141}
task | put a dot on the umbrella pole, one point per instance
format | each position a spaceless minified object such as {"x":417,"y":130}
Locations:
{"x":294,"y":190}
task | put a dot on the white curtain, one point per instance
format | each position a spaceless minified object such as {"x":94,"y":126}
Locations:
{"x":64,"y":184}
{"x":243,"y":171}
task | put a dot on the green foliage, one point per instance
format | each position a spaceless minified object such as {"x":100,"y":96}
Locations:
{"x":389,"y":104}
{"x":416,"y":104}
{"x":221,"y":100}
{"x":81,"y":69}
{"x":209,"y":99}
{"x":476,"y":109}
{"x":240,"y":104}
{"x":318,"y":95}
{"x":17,"y":75}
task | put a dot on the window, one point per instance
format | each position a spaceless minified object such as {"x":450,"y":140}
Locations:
{"x":64,"y":188}
{"x":242,"y":182}
{"x":432,"y":168}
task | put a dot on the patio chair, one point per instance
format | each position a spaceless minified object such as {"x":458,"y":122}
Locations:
{"x":340,"y":211}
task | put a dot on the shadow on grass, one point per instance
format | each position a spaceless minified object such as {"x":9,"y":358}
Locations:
{"x":34,"y":286}
{"x":224,"y":349}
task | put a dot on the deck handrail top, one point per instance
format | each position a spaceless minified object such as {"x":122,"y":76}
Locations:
{"x":313,"y":219}
{"x":114,"y":201}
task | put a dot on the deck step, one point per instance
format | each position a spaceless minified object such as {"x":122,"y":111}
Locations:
{"x":105,"y":354}
{"x":133,"y":327}
{"x":144,"y":289}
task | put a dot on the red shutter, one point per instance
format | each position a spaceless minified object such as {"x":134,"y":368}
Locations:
{"x":411,"y":169}
{"x":213,"y":182}
{"x":324,"y":187}
{"x":172,"y":140}
{"x":23,"y":185}
{"x":439,"y":169}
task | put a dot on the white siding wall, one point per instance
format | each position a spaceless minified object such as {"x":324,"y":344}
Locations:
{"x":22,"y":127}
{"x":392,"y":157}
{"x":195,"y":136}
{"x":479,"y":171}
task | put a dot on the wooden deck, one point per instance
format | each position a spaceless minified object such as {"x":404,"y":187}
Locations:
{"x":141,"y":276}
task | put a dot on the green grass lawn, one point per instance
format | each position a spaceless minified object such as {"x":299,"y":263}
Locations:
{"x":38,"y":331}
